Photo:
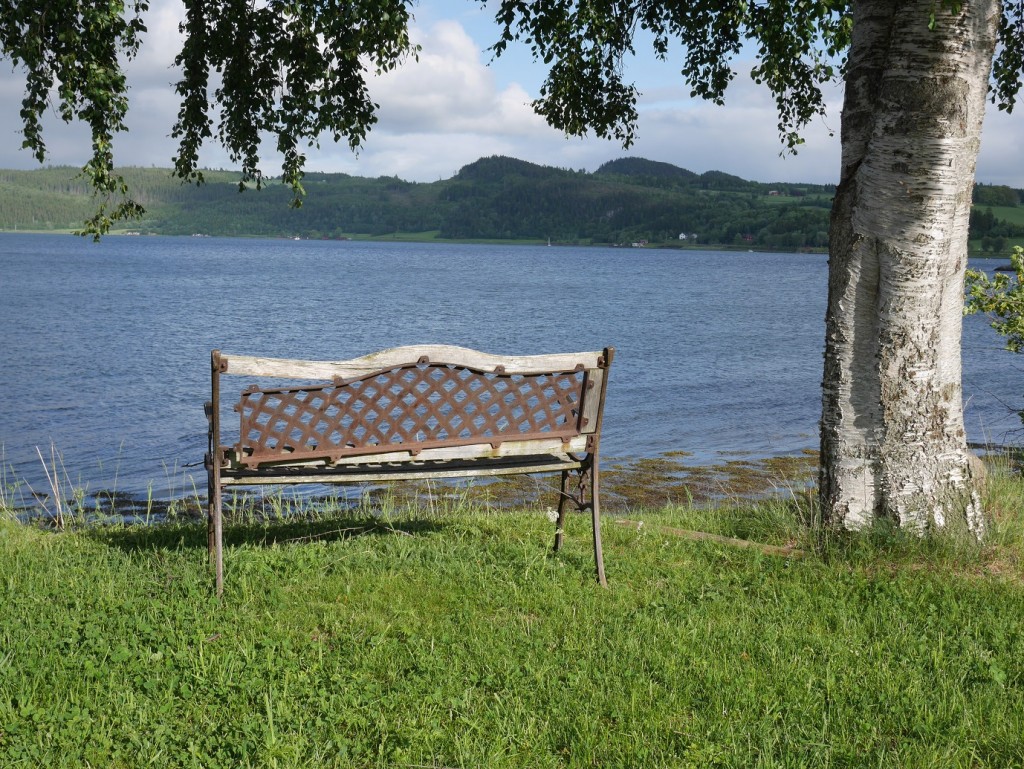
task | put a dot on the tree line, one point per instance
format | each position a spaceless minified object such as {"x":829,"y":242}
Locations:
{"x":624,"y":201}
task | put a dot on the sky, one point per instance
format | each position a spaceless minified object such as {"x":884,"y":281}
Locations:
{"x":455,"y":105}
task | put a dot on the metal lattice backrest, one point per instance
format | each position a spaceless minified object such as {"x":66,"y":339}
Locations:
{"x":409,"y":407}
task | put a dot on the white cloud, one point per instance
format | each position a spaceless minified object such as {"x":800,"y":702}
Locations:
{"x":153,"y":67}
{"x":450,"y":90}
{"x":740,"y":138}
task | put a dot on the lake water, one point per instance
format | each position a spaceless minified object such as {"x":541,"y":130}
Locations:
{"x":106,"y":346}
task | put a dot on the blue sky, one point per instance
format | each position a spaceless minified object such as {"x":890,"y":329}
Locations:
{"x":455,"y":105}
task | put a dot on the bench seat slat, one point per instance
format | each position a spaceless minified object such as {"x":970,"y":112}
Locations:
{"x":402,"y":471}
{"x":512,"y":448}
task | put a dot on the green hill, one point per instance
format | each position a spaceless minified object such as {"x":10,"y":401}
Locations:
{"x":497,"y":198}
{"x":649,"y":170}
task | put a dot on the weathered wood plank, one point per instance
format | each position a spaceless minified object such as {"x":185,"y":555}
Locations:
{"x":592,"y":402}
{"x":248,"y":365}
{"x":404,"y":472}
{"x":474,"y":451}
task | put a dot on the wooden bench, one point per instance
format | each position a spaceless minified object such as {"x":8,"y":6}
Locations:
{"x":411,"y":413}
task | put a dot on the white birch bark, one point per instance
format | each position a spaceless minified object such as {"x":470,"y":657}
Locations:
{"x":893,"y":441}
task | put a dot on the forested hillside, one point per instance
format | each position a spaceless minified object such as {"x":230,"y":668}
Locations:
{"x":625,"y":201}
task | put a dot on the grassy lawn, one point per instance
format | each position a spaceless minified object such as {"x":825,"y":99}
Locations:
{"x":1012,"y":214}
{"x":454,"y":638}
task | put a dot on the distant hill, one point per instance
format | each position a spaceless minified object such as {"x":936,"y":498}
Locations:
{"x":498,"y":167}
{"x":639,"y":168}
{"x":629,"y":200}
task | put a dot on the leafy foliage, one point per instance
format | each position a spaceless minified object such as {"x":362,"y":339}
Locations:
{"x":1008,"y":65}
{"x":799,"y":47}
{"x":72,"y":47}
{"x":1001,"y":297}
{"x":293,"y":69}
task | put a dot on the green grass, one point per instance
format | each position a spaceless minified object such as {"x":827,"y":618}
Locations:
{"x":1012,"y":214}
{"x":454,"y":638}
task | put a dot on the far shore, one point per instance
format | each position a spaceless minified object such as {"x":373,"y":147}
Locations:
{"x":401,"y":237}
{"x":975,"y":250}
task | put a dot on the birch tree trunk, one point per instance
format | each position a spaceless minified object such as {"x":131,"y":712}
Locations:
{"x":893,"y":444}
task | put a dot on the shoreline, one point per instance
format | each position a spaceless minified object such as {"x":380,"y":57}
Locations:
{"x":627,"y":485}
{"x":400,"y":237}
{"x":975,"y":250}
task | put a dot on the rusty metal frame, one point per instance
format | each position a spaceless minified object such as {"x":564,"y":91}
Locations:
{"x":413,"y":407}
{"x":449,"y":437}
{"x":587,"y":480}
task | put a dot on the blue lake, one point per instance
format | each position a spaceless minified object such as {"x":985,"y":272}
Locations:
{"x":106,"y":346}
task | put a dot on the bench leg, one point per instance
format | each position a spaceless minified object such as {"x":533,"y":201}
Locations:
{"x":586,"y":495}
{"x":595,"y":515}
{"x":563,"y":497}
{"x":219,"y":558}
{"x":211,"y":540}
{"x":215,"y":528}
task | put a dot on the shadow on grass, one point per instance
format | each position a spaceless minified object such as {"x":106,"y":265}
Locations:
{"x":256,"y":534}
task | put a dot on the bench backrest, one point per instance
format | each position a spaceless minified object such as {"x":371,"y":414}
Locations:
{"x":411,"y":399}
